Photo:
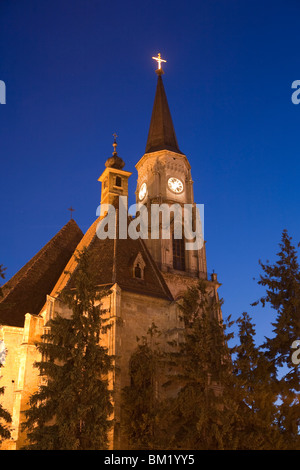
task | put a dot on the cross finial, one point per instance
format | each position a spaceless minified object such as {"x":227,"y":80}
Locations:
{"x":71,"y":210}
{"x":115,"y":143}
{"x":159,"y":61}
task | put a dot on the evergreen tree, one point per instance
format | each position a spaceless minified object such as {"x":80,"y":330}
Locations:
{"x":282,"y":283}
{"x":71,"y":410}
{"x":140,"y":404}
{"x":258,"y":429}
{"x":205,"y":413}
{"x":5,"y":417}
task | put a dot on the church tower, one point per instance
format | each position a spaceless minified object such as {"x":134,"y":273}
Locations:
{"x":164,"y":177}
{"x":143,"y":277}
{"x":114,"y":179}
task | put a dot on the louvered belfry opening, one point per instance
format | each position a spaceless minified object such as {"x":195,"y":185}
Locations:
{"x":178,"y":253}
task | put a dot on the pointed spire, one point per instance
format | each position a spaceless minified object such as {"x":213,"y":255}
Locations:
{"x":161,"y":134}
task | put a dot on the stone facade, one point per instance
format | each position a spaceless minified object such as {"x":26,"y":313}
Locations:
{"x":145,"y":283}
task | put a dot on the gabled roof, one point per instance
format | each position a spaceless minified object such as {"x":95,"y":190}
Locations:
{"x":161,"y":134}
{"x":26,"y":291}
{"x":112,"y":261}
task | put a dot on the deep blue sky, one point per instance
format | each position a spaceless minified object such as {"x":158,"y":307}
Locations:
{"x":78,"y":70}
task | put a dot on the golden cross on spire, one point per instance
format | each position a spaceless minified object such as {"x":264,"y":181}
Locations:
{"x":159,"y":61}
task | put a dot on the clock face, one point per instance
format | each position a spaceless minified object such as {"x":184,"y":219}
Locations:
{"x":175,"y":185}
{"x":143,"y":191}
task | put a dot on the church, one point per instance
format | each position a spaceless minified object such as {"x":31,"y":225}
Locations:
{"x":146,"y":277}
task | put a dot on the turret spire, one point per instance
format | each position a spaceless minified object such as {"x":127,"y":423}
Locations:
{"x":115,"y":144}
{"x":115,"y":161}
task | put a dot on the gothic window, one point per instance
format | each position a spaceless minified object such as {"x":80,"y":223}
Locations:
{"x":139,"y":267}
{"x":178,"y":254}
{"x":118,"y":181}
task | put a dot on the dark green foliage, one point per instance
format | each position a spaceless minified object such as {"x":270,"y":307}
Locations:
{"x":71,"y":410}
{"x":227,"y":397}
{"x":253,"y":379}
{"x":140,"y":404}
{"x":282,"y":283}
{"x":204,"y":414}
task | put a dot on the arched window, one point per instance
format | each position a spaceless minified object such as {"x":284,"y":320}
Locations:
{"x":118,"y":181}
{"x":178,"y":254}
